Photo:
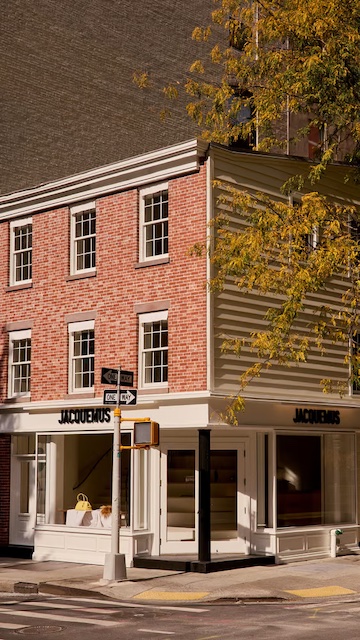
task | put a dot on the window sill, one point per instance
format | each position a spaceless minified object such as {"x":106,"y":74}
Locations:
{"x":78,"y":395}
{"x":17,"y":399}
{"x":18,"y":287}
{"x":81,"y":276}
{"x":152,"y":263}
{"x":150,"y":391}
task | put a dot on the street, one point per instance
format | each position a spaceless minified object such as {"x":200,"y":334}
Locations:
{"x":49,"y":617}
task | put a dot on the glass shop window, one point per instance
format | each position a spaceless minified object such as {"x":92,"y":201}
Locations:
{"x":315,"y":480}
{"x":69,"y":464}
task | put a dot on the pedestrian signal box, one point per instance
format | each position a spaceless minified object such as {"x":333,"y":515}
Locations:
{"x":146,"y":433}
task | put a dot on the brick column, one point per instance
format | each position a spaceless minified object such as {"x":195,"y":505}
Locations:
{"x":5,"y":451}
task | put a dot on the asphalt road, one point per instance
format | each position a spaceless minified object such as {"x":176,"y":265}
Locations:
{"x":49,"y":618}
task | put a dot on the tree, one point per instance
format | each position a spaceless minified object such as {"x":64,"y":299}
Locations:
{"x":278,"y":62}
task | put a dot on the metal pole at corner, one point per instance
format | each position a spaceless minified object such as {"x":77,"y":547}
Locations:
{"x":114,"y":567}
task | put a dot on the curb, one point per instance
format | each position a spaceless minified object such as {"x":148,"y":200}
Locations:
{"x":63,"y":590}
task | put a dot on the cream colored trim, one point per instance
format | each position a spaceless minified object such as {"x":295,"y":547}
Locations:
{"x":14,"y":225}
{"x":148,"y":168}
{"x":84,"y":206}
{"x":81,"y":325}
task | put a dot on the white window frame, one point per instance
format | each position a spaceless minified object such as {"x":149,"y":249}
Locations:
{"x":87,"y":207}
{"x":151,"y":191}
{"x":14,"y":226}
{"x":144,"y":319}
{"x":73,"y":328}
{"x":15,"y":336}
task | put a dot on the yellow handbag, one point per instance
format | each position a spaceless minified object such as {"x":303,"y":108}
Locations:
{"x":83,"y":503}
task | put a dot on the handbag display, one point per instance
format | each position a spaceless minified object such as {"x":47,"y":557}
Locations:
{"x":83,"y":503}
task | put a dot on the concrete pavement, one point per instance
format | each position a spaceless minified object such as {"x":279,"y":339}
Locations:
{"x":311,"y":580}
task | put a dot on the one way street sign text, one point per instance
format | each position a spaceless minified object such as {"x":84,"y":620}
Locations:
{"x":126,"y":397}
{"x":110,"y":376}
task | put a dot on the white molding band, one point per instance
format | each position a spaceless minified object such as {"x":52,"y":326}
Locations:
{"x":157,"y":166}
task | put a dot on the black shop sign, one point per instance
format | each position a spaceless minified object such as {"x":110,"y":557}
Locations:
{"x":84,"y":416}
{"x":316,"y":416}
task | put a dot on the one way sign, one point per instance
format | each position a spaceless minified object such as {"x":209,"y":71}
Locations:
{"x":110,"y":376}
{"x":126,"y":397}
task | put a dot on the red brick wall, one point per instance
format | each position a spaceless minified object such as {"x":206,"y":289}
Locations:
{"x":117,"y":286}
{"x":5,"y":441}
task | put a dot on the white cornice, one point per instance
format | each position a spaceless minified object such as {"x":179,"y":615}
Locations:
{"x":156,"y":166}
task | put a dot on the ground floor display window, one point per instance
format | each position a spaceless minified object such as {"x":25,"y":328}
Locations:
{"x":72,"y":464}
{"x":315,"y":479}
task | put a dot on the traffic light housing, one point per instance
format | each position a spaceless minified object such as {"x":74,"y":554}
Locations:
{"x":146,"y":433}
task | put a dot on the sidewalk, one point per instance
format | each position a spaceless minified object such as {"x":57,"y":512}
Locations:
{"x":299,"y":581}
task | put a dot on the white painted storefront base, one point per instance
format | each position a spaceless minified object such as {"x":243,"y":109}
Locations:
{"x":305,"y":544}
{"x":70,"y":544}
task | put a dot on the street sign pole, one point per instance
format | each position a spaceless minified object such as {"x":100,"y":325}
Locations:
{"x":115,"y":568}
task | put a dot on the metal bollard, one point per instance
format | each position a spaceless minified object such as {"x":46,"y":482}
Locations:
{"x":334,"y":541}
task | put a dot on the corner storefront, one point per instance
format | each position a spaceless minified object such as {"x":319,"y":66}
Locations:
{"x":281,"y":480}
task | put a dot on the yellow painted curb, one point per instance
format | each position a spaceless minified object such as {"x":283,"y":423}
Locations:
{"x":171,"y":595}
{"x":321,"y":592}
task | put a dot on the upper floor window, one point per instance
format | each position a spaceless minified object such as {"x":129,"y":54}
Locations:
{"x":81,"y":356}
{"x":154,"y":216}
{"x":153,"y":361}
{"x":83,"y":238}
{"x":19,"y":363}
{"x":20,"y":251}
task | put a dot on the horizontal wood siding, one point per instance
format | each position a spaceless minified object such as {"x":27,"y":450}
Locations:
{"x":236,"y":314}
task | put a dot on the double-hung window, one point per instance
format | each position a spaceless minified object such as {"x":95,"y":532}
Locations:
{"x":153,"y":349}
{"x":81,"y":356}
{"x":21,"y":251}
{"x":83,"y":238}
{"x":154,"y":222}
{"x":19,"y":363}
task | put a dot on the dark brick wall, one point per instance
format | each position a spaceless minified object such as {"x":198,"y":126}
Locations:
{"x":68,"y":100}
{"x":5,"y":442}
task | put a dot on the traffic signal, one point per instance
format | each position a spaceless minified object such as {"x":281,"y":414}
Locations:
{"x":146,"y":433}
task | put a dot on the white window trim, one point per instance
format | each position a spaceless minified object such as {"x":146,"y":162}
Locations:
{"x":155,"y":316}
{"x":73,"y":327}
{"x":79,"y":208}
{"x":13,"y":336}
{"x":163,"y":186}
{"x":16,"y":224}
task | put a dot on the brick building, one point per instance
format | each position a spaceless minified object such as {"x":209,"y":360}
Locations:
{"x":98,"y":274}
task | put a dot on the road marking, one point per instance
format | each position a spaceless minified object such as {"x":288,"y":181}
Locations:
{"x":166,"y":633}
{"x":132,"y":605}
{"x":11,"y":625}
{"x":54,"y":605}
{"x":50,"y":616}
{"x":171,"y":595}
{"x":321,"y":592}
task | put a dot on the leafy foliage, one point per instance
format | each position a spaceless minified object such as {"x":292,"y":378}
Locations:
{"x":290,"y":56}
{"x":277,"y":62}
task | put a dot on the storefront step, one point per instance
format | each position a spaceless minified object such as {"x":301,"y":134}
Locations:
{"x":16,"y":551}
{"x":221,"y":562}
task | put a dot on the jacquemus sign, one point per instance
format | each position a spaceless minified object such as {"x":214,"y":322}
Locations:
{"x":316,"y":416}
{"x":82,"y":416}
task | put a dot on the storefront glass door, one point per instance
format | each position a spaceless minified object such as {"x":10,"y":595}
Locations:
{"x":179,"y":503}
{"x":23,"y":498}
